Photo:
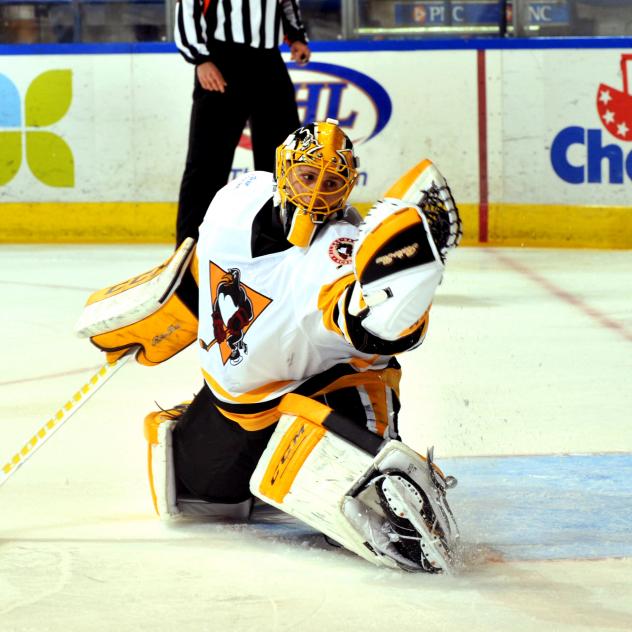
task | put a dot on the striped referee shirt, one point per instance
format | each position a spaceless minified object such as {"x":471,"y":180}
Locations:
{"x":257,"y":23}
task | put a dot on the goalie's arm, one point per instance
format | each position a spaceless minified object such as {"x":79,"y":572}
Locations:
{"x":398,"y":262}
{"x":397,"y":269}
{"x":368,"y":341}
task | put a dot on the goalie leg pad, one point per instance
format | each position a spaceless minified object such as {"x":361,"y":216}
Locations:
{"x":306,"y":471}
{"x":390,"y":509}
{"x":162,"y":481}
{"x":162,"y":476}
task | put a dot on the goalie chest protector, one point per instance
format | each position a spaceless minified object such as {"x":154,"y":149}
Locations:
{"x":264,"y":328}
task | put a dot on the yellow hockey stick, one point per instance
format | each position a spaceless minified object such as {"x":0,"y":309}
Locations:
{"x":62,"y":415}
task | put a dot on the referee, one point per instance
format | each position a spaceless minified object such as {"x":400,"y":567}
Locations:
{"x":239,"y":76}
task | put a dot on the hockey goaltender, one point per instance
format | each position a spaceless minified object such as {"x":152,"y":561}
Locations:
{"x":299,"y":308}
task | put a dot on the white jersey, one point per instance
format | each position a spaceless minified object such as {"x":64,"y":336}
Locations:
{"x":273,"y":324}
{"x":271,"y":318}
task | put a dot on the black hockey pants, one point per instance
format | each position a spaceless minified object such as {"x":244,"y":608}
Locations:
{"x":215,"y":457}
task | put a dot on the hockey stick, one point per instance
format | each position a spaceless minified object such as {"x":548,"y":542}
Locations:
{"x":62,"y":416}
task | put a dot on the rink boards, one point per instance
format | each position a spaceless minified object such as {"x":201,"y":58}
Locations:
{"x":534,"y":138}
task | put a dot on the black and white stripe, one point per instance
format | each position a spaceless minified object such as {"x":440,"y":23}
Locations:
{"x":256,"y":23}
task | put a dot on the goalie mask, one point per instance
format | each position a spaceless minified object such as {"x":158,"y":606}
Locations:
{"x":316,"y":170}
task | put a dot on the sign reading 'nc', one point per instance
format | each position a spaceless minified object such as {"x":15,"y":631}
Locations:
{"x":47,"y":154}
{"x":614,"y":108}
{"x":359,"y":103}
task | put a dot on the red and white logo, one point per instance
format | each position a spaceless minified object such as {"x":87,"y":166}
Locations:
{"x":615,"y":106}
{"x":341,"y":250}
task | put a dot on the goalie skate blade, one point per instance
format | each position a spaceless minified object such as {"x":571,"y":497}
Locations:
{"x":407,"y":502}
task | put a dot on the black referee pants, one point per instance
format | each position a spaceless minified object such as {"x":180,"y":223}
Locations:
{"x":260,"y":90}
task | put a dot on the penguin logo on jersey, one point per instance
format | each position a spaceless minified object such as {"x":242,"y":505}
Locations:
{"x":235,"y":306}
{"x":341,"y":251}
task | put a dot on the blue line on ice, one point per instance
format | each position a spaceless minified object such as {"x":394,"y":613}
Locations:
{"x":545,"y":507}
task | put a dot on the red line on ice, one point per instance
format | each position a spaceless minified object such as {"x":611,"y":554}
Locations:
{"x":49,"y":376}
{"x":563,"y":295}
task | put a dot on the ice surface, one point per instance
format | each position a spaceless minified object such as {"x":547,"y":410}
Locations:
{"x":527,"y":359}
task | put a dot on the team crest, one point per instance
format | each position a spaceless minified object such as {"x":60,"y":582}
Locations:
{"x":304,"y":138}
{"x":341,"y":250}
{"x":235,"y":307}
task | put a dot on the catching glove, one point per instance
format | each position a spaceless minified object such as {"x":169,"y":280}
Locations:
{"x":425,"y":187}
{"x":397,"y":267}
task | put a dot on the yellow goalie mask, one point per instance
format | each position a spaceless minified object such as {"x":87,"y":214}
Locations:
{"x":316,"y":170}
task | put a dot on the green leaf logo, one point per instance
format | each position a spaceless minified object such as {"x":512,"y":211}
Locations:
{"x":50,"y":159}
{"x":48,"y":156}
{"x":10,"y":155}
{"x":48,"y":98}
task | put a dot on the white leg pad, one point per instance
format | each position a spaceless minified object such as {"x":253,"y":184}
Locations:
{"x":162,"y":472}
{"x":315,"y":492}
{"x":359,"y":501}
